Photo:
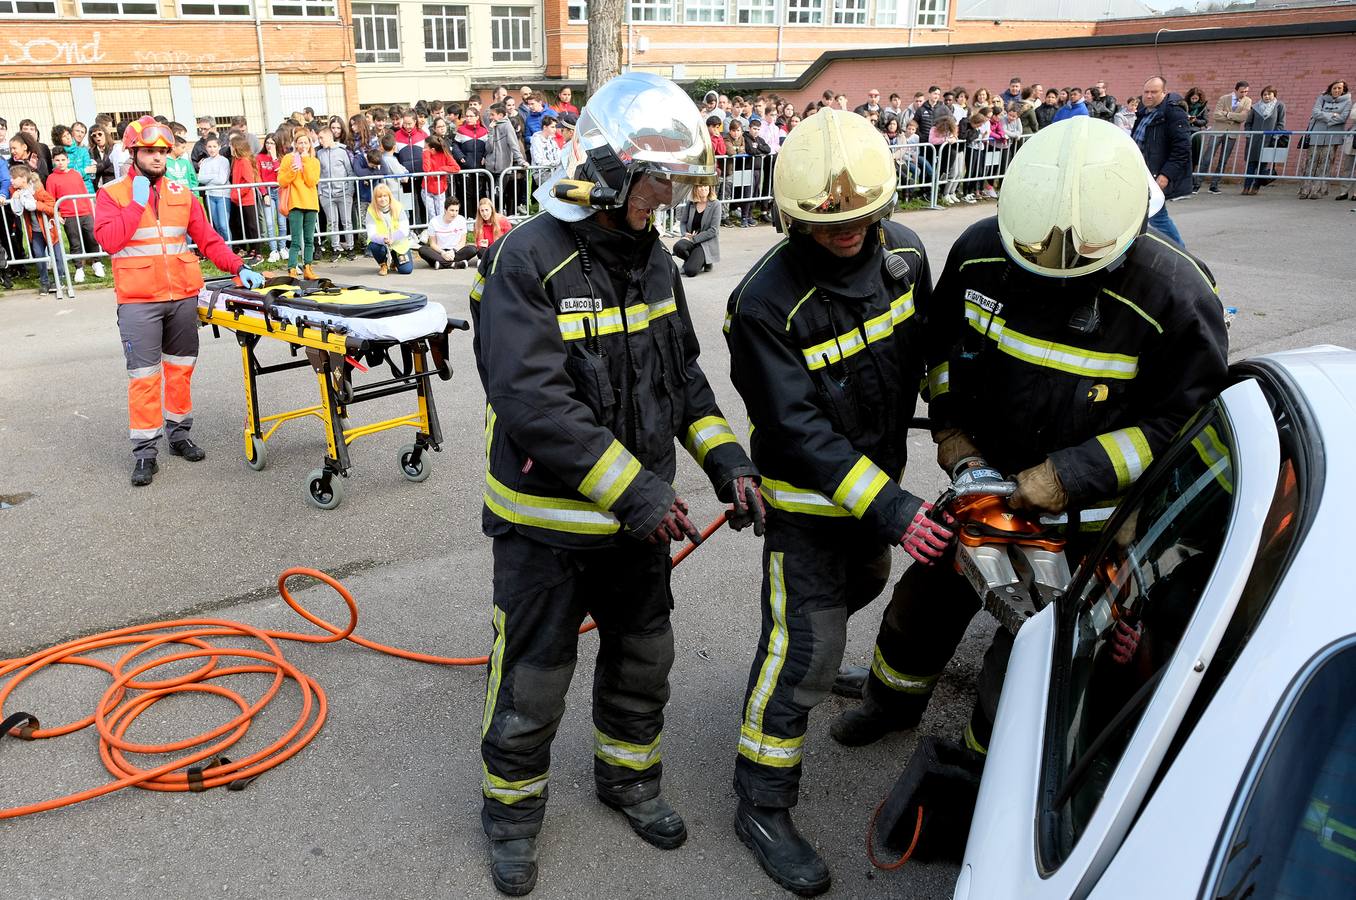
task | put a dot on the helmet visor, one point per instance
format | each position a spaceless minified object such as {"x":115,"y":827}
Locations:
{"x":1062,"y":249}
{"x":156,"y":135}
{"x":655,"y":191}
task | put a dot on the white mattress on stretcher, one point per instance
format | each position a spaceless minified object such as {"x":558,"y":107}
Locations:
{"x":432,"y":319}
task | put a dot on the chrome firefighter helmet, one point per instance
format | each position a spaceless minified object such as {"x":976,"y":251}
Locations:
{"x":834,"y":169}
{"x":636,"y":124}
{"x":1075,"y":197}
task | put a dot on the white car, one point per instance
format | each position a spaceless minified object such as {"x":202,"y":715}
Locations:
{"x":1219,"y":759}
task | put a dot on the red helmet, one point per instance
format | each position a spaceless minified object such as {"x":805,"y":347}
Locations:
{"x":147,"y":132}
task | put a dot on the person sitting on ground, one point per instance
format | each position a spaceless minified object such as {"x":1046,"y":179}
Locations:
{"x":444,"y":245}
{"x":699,"y":247}
{"x":490,"y":226}
{"x":388,"y":233}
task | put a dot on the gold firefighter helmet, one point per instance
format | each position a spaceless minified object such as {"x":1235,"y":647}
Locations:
{"x":834,"y":169}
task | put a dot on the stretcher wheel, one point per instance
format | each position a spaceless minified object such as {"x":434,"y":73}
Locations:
{"x":256,"y":453}
{"x":324,"y":489}
{"x":411,"y":470}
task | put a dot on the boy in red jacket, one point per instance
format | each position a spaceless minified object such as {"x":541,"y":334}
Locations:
{"x":73,"y":211}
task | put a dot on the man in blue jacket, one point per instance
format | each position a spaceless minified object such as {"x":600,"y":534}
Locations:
{"x":1164,"y":137}
{"x":1075,"y":106}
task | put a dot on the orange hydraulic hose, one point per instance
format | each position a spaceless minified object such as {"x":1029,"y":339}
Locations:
{"x":204,"y":767}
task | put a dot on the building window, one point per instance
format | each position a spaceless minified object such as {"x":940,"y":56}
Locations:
{"x":887,"y":12}
{"x":217,"y":8}
{"x":445,"y":34}
{"x":849,"y":12}
{"x":756,"y":12}
{"x":651,"y":10}
{"x":806,"y":12}
{"x":119,"y":8}
{"x":308,"y":9}
{"x":376,"y":33}
{"x":511,"y":33}
{"x":704,"y":11}
{"x":579,"y":11}
{"x":28,"y":7}
{"x":931,"y":14}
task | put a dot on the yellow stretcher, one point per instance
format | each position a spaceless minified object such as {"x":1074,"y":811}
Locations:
{"x":339,"y":327}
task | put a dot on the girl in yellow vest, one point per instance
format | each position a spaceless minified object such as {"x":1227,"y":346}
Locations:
{"x":299,"y":172}
{"x":388,"y":233}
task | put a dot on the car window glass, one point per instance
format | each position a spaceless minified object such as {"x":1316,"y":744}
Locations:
{"x":1139,"y":593}
{"x":1297,"y":835}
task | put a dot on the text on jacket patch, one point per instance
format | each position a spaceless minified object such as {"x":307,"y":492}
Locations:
{"x":988,"y":304}
{"x":580,"y":304}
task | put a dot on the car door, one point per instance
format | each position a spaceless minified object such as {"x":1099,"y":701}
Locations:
{"x":1081,"y":731}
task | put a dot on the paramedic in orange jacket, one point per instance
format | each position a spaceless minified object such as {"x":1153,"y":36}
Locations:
{"x":144,"y":221}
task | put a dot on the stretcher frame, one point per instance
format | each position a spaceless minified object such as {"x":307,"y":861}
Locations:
{"x":333,"y":354}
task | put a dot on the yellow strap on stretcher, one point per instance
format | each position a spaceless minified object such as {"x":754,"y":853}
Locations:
{"x":346,"y":296}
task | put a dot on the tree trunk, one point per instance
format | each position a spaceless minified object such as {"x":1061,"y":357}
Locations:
{"x":605,"y":41}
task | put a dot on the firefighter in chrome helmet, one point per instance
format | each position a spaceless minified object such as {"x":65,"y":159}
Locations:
{"x":826,"y":349}
{"x":589,"y":360}
{"x":1068,"y":342}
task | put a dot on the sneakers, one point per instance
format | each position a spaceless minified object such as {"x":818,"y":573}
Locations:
{"x":991,"y":193}
{"x":968,"y":198}
{"x":513,"y":865}
{"x":275,"y":256}
{"x":98,"y":269}
{"x":459,"y":264}
{"x":188,"y":450}
{"x":1214,"y":189}
{"x":80,"y":275}
{"x":654,"y":820}
{"x":143,"y":472}
{"x":779,"y":848}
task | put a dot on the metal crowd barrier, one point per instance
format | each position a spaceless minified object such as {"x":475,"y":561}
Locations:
{"x":19,"y":250}
{"x":1318,"y":159}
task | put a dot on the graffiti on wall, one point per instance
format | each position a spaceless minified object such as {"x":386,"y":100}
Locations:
{"x":81,"y":52}
{"x":47,"y":51}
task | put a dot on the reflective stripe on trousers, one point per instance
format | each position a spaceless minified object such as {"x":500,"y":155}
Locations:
{"x":160,"y":342}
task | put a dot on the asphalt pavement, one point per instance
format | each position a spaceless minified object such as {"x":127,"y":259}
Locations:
{"x":385,"y":801}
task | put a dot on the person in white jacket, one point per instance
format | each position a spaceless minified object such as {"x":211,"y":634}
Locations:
{"x":215,"y":169}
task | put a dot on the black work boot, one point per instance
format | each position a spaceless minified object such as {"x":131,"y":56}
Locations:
{"x":787,"y":857}
{"x":143,"y":472}
{"x":850,"y":681}
{"x":188,"y":450}
{"x":654,"y":820}
{"x":867,"y":724}
{"x":513,"y":865}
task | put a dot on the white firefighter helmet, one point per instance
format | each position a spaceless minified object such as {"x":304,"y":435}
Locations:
{"x":1075,"y":197}
{"x":636,"y":124}
{"x":834,"y":169}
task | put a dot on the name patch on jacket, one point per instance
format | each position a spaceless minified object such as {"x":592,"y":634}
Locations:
{"x":580,"y":304}
{"x":988,"y":304}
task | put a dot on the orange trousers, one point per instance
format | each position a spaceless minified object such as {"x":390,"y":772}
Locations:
{"x":160,"y":341}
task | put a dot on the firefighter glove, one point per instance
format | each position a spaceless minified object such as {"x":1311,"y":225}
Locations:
{"x":1125,"y":641}
{"x":141,"y":190}
{"x":748,"y":506}
{"x":250,"y":278}
{"x":675,"y":525}
{"x":953,"y":446}
{"x":926,"y":539}
{"x":1038,"y":489}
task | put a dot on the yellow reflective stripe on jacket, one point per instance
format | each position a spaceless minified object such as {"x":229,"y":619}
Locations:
{"x":638,"y":318}
{"x":1134,"y":306}
{"x":777,"y":640}
{"x":477,"y":287}
{"x":705,"y":435}
{"x":511,"y":792}
{"x":1318,"y":820}
{"x":767,"y":750}
{"x":939,"y":380}
{"x":860,"y":486}
{"x":896,"y":680}
{"x":1215,"y":455}
{"x":610,"y":476}
{"x":565,"y":262}
{"x":496,"y":670}
{"x":1178,"y":250}
{"x":637,"y":757}
{"x":728,"y":319}
{"x":789,"y":498}
{"x":1129,"y":454}
{"x":1049,"y":354}
{"x":876,"y":328}
{"x":982,"y":259}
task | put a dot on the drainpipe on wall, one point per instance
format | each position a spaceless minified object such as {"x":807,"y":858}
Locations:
{"x":780,"y":67}
{"x":263,"y":69}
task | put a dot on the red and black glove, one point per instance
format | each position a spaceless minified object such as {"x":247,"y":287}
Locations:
{"x":1125,"y":641}
{"x":926,"y":539}
{"x":675,"y":525}
{"x":748,"y":506}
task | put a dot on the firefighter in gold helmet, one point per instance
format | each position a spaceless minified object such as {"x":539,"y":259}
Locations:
{"x":1068,"y":343}
{"x":144,"y":222}
{"x":587,"y":353}
{"x":825,"y":338}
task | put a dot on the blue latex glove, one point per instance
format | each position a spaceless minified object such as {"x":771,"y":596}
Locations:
{"x":250,"y":278}
{"x":141,"y":190}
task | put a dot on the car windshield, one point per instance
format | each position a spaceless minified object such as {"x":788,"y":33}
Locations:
{"x":1297,"y":834}
{"x":1138,"y":594}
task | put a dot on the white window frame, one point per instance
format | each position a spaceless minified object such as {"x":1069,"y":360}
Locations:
{"x":706,"y":12}
{"x":571,"y":6}
{"x":379,"y":27}
{"x":216,"y":12}
{"x":887,"y":12}
{"x":755,"y":12}
{"x":56,"y":10}
{"x":931,"y":14}
{"x":805,"y":12}
{"x":119,"y":13}
{"x":446,"y":21}
{"x":310,"y":9}
{"x":508,"y":25}
{"x":652,"y":12}
{"x":849,"y":12}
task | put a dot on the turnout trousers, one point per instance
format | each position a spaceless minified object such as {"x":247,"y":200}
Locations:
{"x":160,"y":341}
{"x":541,"y":595}
{"x":814,"y":577}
